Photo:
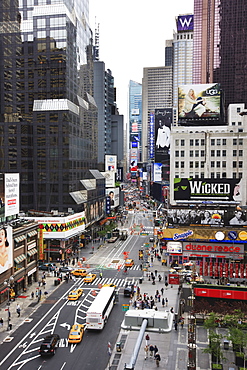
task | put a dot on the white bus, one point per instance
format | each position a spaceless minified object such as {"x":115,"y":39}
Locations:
{"x":99,"y":311}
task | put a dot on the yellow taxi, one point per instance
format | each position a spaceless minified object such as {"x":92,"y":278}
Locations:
{"x":79,"y":272}
{"x":75,"y":294}
{"x":89,"y":278}
{"x":110,"y":285}
{"x":129,"y":262}
{"x":76,"y":333}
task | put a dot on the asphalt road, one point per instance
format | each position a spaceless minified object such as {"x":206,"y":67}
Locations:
{"x":57,"y":315}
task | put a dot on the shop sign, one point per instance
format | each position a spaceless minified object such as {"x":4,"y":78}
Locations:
{"x":31,"y":271}
{"x":214,"y":248}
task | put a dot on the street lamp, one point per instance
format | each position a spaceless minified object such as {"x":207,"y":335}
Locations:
{"x":9,"y":284}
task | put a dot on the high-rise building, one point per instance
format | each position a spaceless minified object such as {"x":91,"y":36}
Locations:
{"x":135,"y":120}
{"x":105,"y":97}
{"x":220,"y":47}
{"x":156,"y":93}
{"x":182,"y":56}
{"x":46,"y":100}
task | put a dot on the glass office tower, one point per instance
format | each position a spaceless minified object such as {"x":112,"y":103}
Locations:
{"x":220,"y":47}
{"x":46,"y":66}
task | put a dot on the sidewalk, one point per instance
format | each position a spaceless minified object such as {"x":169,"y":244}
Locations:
{"x":27,"y":305}
{"x":162,"y":341}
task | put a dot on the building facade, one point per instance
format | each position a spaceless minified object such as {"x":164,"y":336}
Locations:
{"x":220,"y":48}
{"x":156,"y":93}
{"x":43,"y":110}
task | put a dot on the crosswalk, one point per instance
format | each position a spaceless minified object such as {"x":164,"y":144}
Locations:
{"x":114,"y":281}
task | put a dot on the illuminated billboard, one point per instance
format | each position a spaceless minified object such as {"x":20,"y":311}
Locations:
{"x":197,"y":103}
{"x":163,"y":121}
{"x":113,"y":196}
{"x":110,"y":163}
{"x":189,"y":217}
{"x":223,"y":190}
{"x":185,"y":23}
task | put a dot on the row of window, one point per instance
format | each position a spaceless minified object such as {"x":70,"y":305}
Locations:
{"x":197,"y":142}
{"x":217,"y":164}
{"x":213,"y":153}
{"x":213,"y":175}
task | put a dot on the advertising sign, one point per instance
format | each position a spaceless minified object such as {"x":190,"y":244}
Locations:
{"x":6,"y":248}
{"x":185,"y":23}
{"x":157,"y":172}
{"x":113,"y":194}
{"x":9,"y":194}
{"x":187,"y":217}
{"x":199,"y":103}
{"x":163,"y":121}
{"x":151,"y":136}
{"x":206,"y":189}
{"x":110,"y":163}
{"x":109,"y":178}
{"x":174,"y":247}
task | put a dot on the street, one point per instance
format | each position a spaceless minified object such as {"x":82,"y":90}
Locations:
{"x":57,"y":314}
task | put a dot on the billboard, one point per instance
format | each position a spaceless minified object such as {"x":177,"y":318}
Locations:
{"x":110,"y":163}
{"x":185,"y":23}
{"x":163,"y":121}
{"x":157,"y":172}
{"x":9,"y":194}
{"x":6,"y":248}
{"x":113,"y":195}
{"x":109,"y":178}
{"x":197,"y":103}
{"x":151,"y":136}
{"x":188,"y":217}
{"x":223,"y":190}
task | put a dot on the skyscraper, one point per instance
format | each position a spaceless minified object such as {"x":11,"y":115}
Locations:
{"x":135,"y":118}
{"x":220,"y":46}
{"x":46,"y":100}
{"x":182,"y":55}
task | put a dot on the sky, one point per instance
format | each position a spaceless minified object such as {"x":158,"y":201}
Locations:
{"x":132,"y":36}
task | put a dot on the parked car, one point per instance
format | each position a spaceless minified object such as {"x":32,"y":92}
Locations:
{"x":49,"y":344}
{"x":48,"y":267}
{"x":65,"y":269}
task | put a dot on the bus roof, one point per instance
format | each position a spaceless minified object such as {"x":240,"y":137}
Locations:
{"x":101,"y":300}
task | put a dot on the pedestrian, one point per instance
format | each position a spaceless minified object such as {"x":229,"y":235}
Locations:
{"x":157,"y":359}
{"x":176,"y":325}
{"x":166,"y":302}
{"x":159,"y":278}
{"x":166,"y":284}
{"x":18,"y":310}
{"x":44,"y":284}
{"x":155,"y":350}
{"x":147,"y":340}
{"x":37,"y":294}
{"x":182,"y":323}
{"x":1,"y":322}
{"x":156,"y":272}
{"x":162,"y":291}
{"x":100,"y":275}
{"x":151,"y":350}
{"x":146,"y":352}
{"x":171,"y":310}
{"x":163,"y":302}
{"x":158,"y":297}
{"x":32,"y":295}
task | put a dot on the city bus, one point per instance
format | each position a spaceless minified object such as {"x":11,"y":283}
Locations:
{"x":99,"y":311}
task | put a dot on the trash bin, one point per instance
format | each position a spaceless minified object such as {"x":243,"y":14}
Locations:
{"x":55,"y":282}
{"x":119,"y":346}
{"x":140,"y":280}
{"x":226,"y":344}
